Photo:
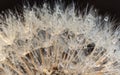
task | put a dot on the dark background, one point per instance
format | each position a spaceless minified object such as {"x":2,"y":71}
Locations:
{"x":111,"y":7}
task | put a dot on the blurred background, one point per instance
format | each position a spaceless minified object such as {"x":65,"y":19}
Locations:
{"x":111,"y":7}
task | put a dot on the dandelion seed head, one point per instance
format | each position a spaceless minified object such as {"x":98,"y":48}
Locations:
{"x":58,"y":43}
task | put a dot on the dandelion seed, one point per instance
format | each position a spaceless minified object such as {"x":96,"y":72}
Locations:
{"x":58,"y":44}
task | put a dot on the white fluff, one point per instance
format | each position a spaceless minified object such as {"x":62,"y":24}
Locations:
{"x":59,"y":40}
